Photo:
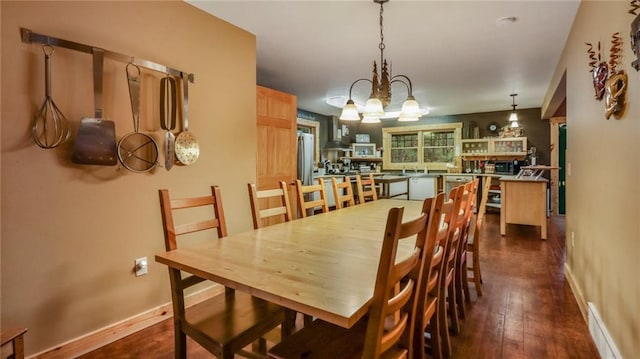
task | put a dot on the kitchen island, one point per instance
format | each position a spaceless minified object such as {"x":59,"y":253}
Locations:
{"x":524,"y":201}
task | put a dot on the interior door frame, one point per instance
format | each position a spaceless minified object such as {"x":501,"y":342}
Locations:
{"x":554,"y":124}
{"x":314,"y":128}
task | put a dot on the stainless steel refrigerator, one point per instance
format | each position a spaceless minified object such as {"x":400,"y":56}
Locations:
{"x":305,"y":158}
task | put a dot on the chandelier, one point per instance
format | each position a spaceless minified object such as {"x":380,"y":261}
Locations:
{"x":381,"y":90}
{"x":513,"y":117}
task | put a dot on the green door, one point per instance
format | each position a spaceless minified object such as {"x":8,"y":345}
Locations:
{"x":562,"y":133}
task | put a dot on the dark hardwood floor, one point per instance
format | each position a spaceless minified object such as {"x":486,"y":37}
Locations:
{"x":527,"y":311}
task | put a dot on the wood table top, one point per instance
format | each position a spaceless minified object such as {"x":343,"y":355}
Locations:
{"x":323,"y":265}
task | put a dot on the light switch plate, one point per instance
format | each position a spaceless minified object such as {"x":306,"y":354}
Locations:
{"x":141,"y":267}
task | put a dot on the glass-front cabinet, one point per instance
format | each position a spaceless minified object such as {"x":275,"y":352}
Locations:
{"x":475,"y":147}
{"x":513,"y":147}
{"x":436,"y":147}
{"x":363,"y":149}
{"x":510,"y":146}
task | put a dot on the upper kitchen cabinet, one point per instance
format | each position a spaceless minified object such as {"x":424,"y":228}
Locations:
{"x":436,"y":147}
{"x":495,"y":148}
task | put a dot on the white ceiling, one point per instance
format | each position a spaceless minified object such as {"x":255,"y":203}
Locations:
{"x":459,"y":58}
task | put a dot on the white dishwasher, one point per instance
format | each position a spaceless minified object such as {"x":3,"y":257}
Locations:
{"x":328,"y":191}
{"x":452,"y":181}
{"x":421,"y":188}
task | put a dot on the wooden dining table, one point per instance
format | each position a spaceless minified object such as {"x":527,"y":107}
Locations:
{"x":323,"y":265}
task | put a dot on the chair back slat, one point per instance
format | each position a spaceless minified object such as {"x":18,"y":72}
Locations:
{"x":366,"y":188}
{"x":172,"y":230}
{"x":277,"y":198}
{"x":347,"y":192}
{"x":305,"y":192}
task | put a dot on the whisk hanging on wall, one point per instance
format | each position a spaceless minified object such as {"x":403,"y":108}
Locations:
{"x":49,"y":129}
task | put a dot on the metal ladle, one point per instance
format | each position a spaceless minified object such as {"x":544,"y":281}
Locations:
{"x":49,"y":128}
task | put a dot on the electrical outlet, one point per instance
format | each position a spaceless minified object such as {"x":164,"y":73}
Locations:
{"x":569,"y":169}
{"x":573,"y":239}
{"x":141,"y":267}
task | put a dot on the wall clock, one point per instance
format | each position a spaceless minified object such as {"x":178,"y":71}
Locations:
{"x":493,"y":127}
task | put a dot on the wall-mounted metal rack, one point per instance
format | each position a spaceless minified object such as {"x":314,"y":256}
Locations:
{"x":29,"y":36}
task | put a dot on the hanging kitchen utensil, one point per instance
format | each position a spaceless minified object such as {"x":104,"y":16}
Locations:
{"x":96,"y":139}
{"x":49,"y":128}
{"x":168,"y":118}
{"x":137,"y":151}
{"x":187,"y":148}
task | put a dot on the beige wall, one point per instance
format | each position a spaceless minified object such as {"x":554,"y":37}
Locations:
{"x":602,"y":191}
{"x":70,"y":233}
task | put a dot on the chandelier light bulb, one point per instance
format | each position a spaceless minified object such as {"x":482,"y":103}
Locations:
{"x":350,"y":112}
{"x":370,"y":119}
{"x":373,"y":108}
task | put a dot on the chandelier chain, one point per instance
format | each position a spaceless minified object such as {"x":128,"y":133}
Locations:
{"x":381,"y":45}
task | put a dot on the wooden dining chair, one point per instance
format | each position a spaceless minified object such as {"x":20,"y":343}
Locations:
{"x":447,"y":306}
{"x":366,"y":188}
{"x":343,"y":193}
{"x":307,"y":204}
{"x":281,"y":208}
{"x":428,"y":291}
{"x":226,"y":323}
{"x":473,"y":241}
{"x":386,"y":329}
{"x":471,"y":189}
{"x":269,"y":203}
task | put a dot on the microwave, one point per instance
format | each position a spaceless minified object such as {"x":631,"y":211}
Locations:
{"x":508,"y":167}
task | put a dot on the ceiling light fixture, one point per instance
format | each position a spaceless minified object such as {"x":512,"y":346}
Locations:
{"x":513,"y":117}
{"x":381,"y":90}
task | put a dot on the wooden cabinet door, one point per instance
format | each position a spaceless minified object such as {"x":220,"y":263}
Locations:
{"x":277,"y":133}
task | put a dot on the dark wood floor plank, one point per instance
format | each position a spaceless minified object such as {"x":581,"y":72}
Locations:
{"x":527,"y":310}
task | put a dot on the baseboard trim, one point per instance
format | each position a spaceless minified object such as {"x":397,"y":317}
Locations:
{"x":577,"y":293}
{"x":121,"y":329}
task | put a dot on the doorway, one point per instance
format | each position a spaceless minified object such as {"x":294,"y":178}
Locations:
{"x":562,"y":161}
{"x":558,"y":133}
{"x":312,"y":127}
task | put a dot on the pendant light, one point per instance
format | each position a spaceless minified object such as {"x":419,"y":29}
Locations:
{"x":513,"y":117}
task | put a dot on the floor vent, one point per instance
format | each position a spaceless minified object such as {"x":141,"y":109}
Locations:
{"x":606,"y":347}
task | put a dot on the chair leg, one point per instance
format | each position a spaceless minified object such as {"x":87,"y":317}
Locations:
{"x":436,"y":337}
{"x":460,"y":275}
{"x":288,"y":326}
{"x":442,"y":323}
{"x":455,"y":323}
{"x":307,"y":319}
{"x":477,"y":274}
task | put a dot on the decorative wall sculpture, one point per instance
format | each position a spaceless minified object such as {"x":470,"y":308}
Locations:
{"x":609,"y":81}
{"x":635,"y":32}
{"x":599,"y":70}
